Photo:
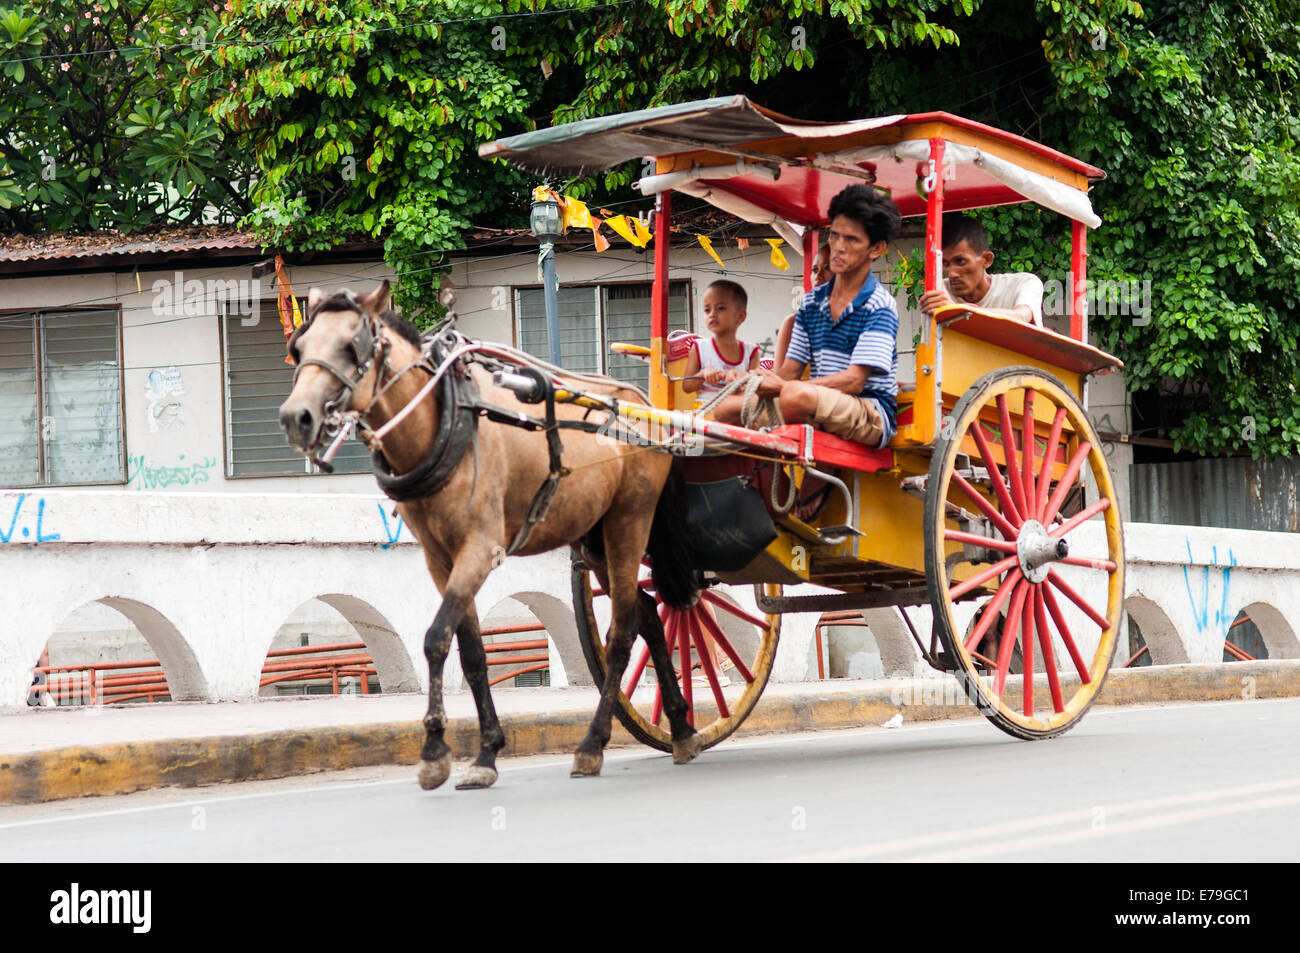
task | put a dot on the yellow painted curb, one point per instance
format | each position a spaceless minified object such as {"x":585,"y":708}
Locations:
{"x":123,"y":768}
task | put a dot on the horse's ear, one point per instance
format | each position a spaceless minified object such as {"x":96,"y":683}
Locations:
{"x":379,"y":300}
{"x":314,"y":296}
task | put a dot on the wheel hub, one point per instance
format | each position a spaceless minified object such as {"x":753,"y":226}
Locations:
{"x":1037,"y":550}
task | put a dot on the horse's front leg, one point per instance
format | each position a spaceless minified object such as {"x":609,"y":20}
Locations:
{"x":473,"y":660}
{"x":458,"y":590}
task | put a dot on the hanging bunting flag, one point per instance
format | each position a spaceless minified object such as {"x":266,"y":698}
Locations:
{"x":742,"y":244}
{"x":576,"y":214}
{"x":601,"y":241}
{"x":622,"y":225}
{"x":778,"y":259}
{"x":286,"y":303}
{"x":707,"y":244}
{"x":642,"y":230}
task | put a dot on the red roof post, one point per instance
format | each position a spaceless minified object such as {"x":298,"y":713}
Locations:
{"x":1078,"y":281}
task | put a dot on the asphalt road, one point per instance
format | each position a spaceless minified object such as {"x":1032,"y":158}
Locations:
{"x":1211,"y":782}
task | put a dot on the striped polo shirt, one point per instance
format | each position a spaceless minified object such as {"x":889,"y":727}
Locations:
{"x":866,"y":333}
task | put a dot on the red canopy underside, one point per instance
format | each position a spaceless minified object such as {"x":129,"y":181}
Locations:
{"x":803,"y":194}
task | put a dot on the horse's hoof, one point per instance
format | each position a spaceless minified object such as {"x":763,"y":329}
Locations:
{"x":587,"y":764}
{"x":477,"y":776}
{"x":433,"y":774}
{"x":687,"y":749}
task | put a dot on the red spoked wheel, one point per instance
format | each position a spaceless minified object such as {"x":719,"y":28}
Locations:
{"x":1007,"y":518}
{"x":722,"y":657}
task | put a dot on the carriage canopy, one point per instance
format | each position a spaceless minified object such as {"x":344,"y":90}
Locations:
{"x":772,"y":169}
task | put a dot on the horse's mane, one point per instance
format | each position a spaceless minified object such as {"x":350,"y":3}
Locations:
{"x":403,"y":328}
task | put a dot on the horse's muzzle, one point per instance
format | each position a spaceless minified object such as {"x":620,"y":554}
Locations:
{"x":301,"y":424}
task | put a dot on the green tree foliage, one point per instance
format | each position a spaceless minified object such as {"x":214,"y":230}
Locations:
{"x":363,"y":118}
{"x":90,"y":135}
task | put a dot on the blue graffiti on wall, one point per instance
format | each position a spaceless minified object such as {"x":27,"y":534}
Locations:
{"x":392,"y":534}
{"x":1200,"y":602}
{"x":6,"y":535}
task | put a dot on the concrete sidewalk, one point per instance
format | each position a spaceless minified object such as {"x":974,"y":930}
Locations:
{"x":49,"y":754}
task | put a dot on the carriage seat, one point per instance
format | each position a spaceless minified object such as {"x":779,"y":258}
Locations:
{"x":832,"y":451}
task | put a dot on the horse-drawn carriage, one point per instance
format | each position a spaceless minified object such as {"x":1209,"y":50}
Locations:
{"x":994,"y":494}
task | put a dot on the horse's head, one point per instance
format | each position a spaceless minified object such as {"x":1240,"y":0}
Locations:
{"x":338,"y":351}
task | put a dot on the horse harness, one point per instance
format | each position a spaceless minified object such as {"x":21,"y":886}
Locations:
{"x":445,"y":356}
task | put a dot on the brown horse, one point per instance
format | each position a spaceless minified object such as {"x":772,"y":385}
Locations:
{"x":467,"y":490}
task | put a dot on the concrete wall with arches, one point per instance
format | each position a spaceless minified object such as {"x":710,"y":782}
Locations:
{"x":208,"y":579}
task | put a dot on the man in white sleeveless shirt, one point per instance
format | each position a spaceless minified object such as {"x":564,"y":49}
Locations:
{"x":966,"y":260}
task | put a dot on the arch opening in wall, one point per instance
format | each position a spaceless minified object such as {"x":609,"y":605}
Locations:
{"x":517,"y":644}
{"x":336,"y":644}
{"x":1260,"y":631}
{"x":1152,"y":636}
{"x":115,"y":651}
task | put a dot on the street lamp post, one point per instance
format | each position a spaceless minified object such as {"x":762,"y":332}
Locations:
{"x":548,"y":225}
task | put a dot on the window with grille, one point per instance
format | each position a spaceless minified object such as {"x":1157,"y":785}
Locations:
{"x":61,"y":398}
{"x":592,"y":317}
{"x":258,"y":380}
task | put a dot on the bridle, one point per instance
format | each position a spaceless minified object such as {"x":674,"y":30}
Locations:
{"x":368,"y":348}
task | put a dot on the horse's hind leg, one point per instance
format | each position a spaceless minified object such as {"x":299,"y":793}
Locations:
{"x":483,"y":772}
{"x":590,"y":757}
{"x":685,"y":738}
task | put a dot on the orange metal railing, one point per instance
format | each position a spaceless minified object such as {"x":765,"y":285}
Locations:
{"x":92,"y":683}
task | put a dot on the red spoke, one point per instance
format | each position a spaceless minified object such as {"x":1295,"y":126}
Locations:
{"x":1078,"y":600}
{"x":1063,"y":631}
{"x":737,"y":612}
{"x":992,"y":607}
{"x":1049,"y":459}
{"x":1067,"y":482}
{"x":1027,"y":649}
{"x":995,"y":473}
{"x":1080,"y":517}
{"x":983,"y":660}
{"x":1088,"y":562}
{"x":684,"y":642}
{"x":1013,"y":468}
{"x":1027,"y":455}
{"x":641,"y":583}
{"x":1008,"y":642}
{"x":636,"y":670}
{"x":1049,"y":657}
{"x":1001,"y":545}
{"x":986,"y":508}
{"x":706,"y":660}
{"x":724,"y":643}
{"x":979,"y":578}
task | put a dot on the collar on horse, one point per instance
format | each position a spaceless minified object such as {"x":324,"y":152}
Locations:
{"x":457,"y":428}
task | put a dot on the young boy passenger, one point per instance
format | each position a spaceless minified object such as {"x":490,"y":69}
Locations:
{"x":725,"y":357}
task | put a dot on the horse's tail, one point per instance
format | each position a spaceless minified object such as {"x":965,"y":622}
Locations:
{"x":672,"y":565}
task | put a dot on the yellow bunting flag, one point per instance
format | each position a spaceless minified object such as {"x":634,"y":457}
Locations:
{"x":576,"y":214}
{"x":707,"y":244}
{"x":642,"y":231}
{"x":623,"y":226}
{"x":742,"y":244}
{"x":778,"y":259}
